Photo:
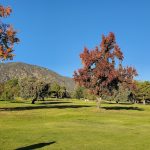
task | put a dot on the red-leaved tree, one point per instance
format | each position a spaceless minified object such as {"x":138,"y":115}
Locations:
{"x":102,"y":70}
{"x":7,"y":35}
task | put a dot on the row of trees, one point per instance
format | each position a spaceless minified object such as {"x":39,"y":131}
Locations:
{"x":141,"y":94}
{"x":31,"y":88}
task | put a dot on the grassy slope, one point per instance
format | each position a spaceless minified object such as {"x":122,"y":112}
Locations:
{"x":72,"y":126}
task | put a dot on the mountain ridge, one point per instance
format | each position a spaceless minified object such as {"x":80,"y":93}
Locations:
{"x":20,"y":70}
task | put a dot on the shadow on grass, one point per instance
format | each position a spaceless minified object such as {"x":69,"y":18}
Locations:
{"x":119,"y":103}
{"x":123,"y":108}
{"x":54,"y":102}
{"x":35,"y":146}
{"x":41,"y":107}
{"x":40,"y":101}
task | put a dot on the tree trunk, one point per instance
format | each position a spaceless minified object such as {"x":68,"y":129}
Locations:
{"x":135,"y":101}
{"x":144,"y":100}
{"x":99,"y":102}
{"x":33,"y":101}
{"x":42,"y":98}
{"x":56,"y":94}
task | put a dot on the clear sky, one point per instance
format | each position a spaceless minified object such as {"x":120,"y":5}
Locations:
{"x":54,"y":32}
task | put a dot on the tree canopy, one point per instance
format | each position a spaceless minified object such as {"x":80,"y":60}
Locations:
{"x":7,"y":35}
{"x":142,"y":91}
{"x":102,"y":70}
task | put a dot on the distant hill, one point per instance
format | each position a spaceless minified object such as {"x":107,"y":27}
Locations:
{"x":22,"y":70}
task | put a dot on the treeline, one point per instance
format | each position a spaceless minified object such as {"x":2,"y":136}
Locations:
{"x":34,"y":89}
{"x":141,"y":94}
{"x":31,"y":88}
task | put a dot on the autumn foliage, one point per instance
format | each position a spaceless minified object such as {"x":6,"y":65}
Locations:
{"x":102,"y":70}
{"x":7,"y":35}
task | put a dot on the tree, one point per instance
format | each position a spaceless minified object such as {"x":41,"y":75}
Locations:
{"x":88,"y":95}
{"x":58,"y":91}
{"x":7,"y":35}
{"x":142,"y":92}
{"x":10,"y":90}
{"x":102,"y":70}
{"x":55,"y":88}
{"x":83,"y":93}
{"x":120,"y":95}
{"x":79,"y":92}
{"x":63,"y":92}
{"x":1,"y":88}
{"x":33,"y":88}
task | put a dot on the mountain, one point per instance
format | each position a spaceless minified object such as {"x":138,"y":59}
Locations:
{"x":22,"y":70}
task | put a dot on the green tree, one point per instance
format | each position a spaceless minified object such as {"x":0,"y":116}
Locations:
{"x":88,"y":95}
{"x":33,"y":88}
{"x":10,"y":90}
{"x":79,"y":92}
{"x":55,"y":89}
{"x":1,"y":88}
{"x":62,"y":92}
{"x":142,"y":92}
{"x":120,"y":95}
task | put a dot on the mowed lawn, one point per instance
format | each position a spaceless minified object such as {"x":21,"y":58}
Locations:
{"x":74,"y":125}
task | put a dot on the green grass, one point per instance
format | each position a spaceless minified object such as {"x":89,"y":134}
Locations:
{"x":74,"y":125}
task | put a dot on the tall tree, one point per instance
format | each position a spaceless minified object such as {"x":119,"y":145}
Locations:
{"x":102,"y":70}
{"x":7,"y":35}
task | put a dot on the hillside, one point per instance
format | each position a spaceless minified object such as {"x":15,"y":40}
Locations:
{"x":22,"y":70}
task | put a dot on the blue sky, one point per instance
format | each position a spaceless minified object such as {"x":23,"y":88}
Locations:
{"x":54,"y":32}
